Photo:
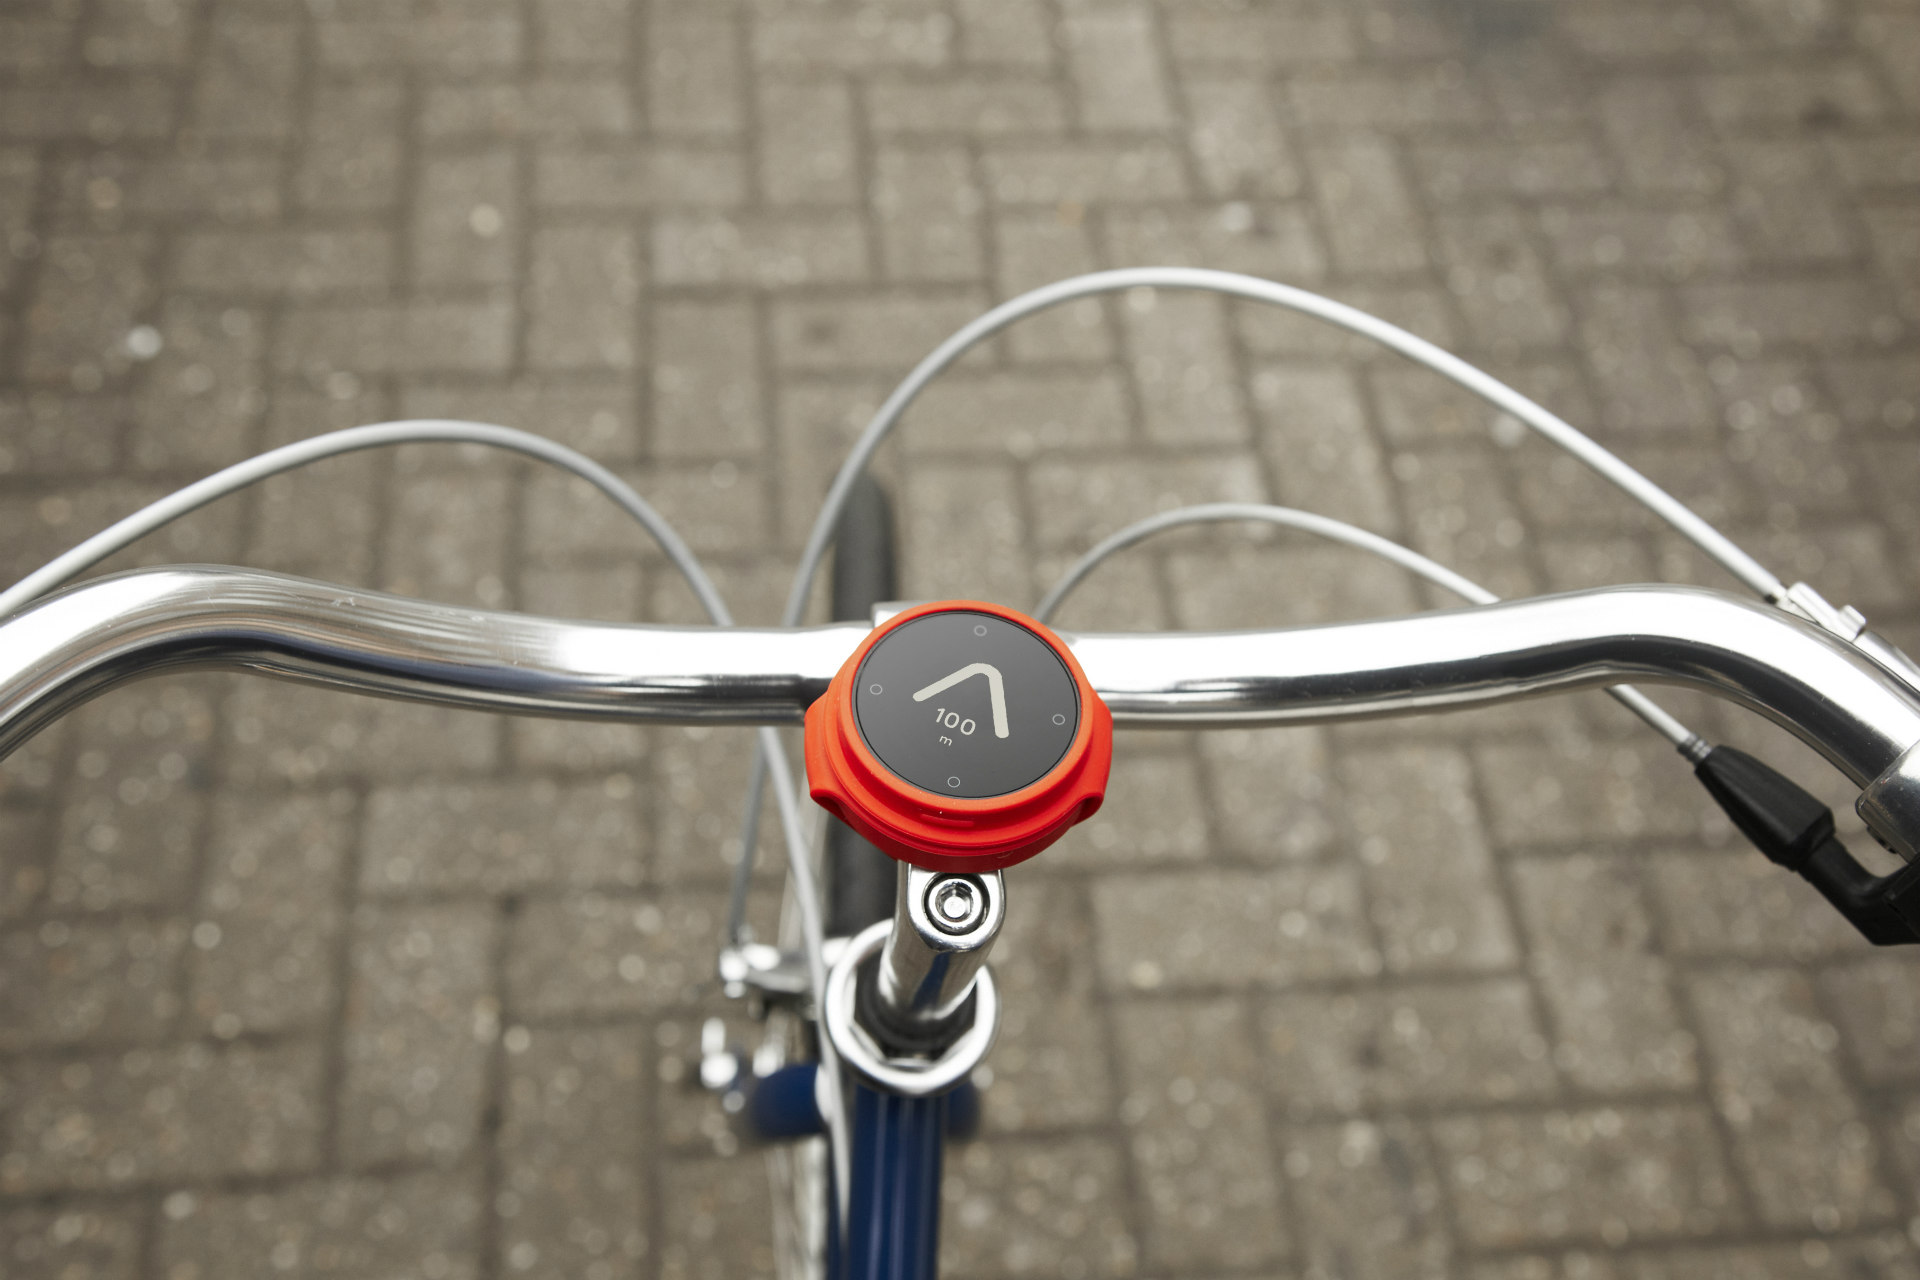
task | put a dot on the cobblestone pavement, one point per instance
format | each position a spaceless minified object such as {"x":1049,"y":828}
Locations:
{"x":295,"y":984}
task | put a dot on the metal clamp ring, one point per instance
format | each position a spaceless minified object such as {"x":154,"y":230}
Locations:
{"x":907,"y":1076}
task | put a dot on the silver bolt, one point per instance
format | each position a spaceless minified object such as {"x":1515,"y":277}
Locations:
{"x":956,"y":904}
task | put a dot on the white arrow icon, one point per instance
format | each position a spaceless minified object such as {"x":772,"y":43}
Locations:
{"x":994,"y":690}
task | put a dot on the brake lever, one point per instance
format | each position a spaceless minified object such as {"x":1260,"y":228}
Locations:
{"x":1794,"y":830}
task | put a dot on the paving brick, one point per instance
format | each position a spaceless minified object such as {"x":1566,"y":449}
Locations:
{"x":246,"y":88}
{"x":135,"y":806}
{"x":1004,"y":32}
{"x":1499,"y":281}
{"x":969,"y":108}
{"x":1116,"y":70}
{"x":1269,"y":793}
{"x":716,"y":507}
{"x":1874,"y":1002}
{"x":135,"y":106}
{"x":1591,"y":791}
{"x":234,"y":189}
{"x":1081,"y":174}
{"x":1053,"y":1068}
{"x":352,"y":153}
{"x":1076,"y":503}
{"x":714,"y":1219}
{"x":1886,"y":1253}
{"x":1237,"y":141}
{"x":1371,"y":222}
{"x":599,"y":954}
{"x":789,"y":249}
{"x":1647,"y":379}
{"x":1738,"y":904}
{"x":574,"y":1135}
{"x":1036,"y":248}
{"x":1783,"y":203}
{"x":422,"y":1015}
{"x":567,"y":33}
{"x":422,"y":337}
{"x":1268,"y":586}
{"x":890,"y":332}
{"x":1416,"y":824}
{"x":36,"y":41}
{"x":1231,"y":928}
{"x":927,"y":208}
{"x":706,"y":384}
{"x":1891,"y":39}
{"x":100,"y":1243}
{"x":1033,"y":1208}
{"x":468,"y":40}
{"x":411,"y":1223}
{"x":282,"y":734}
{"x":47,"y":433}
{"x":1657,"y":136}
{"x":1751,"y":314}
{"x":502,"y":838}
{"x":73,"y":983}
{"x":1321,"y":452}
{"x":1838,"y":93}
{"x":592,"y":414}
{"x":1369,"y":1201}
{"x":584,"y":286}
{"x":160,"y":1115}
{"x":1802,"y":1143}
{"x":91,"y":290}
{"x":1534,"y":1178}
{"x":1458,"y":173}
{"x":1017,"y":414}
{"x":25,"y":849}
{"x":268,"y":926}
{"x":1873,"y":161}
{"x":466,"y":219}
{"x":1423,"y":97}
{"x":694,"y":81}
{"x":617,"y":180}
{"x":1616,"y":1025}
{"x":446,"y":539}
{"x":699,"y":791}
{"x":1277,"y":331}
{"x":1474,"y":1043}
{"x":1459,"y":513}
{"x":1198,"y":1133}
{"x":1276,"y":241}
{"x":1155,"y":811}
{"x":809,"y":157}
{"x":1303,"y":34}
{"x":1187,"y":387}
{"x":853,"y":42}
{"x":962,"y":529}
{"x":562,"y":108}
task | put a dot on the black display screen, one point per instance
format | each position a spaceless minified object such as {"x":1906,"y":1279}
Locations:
{"x":966,"y":704}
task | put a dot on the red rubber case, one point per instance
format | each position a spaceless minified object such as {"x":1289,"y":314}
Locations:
{"x":946,"y":833}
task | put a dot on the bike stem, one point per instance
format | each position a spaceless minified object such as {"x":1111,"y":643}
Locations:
{"x":919,"y":998}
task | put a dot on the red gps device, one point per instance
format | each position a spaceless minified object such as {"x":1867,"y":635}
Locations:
{"x":959,"y":737}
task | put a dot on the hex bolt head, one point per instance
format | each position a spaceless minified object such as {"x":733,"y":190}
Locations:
{"x":956,"y":904}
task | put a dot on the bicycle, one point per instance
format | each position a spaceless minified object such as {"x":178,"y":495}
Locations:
{"x":876,"y":999}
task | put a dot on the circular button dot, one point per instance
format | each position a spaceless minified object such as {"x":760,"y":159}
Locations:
{"x":953,"y":782}
{"x":874,"y":689}
{"x":1057,"y":717}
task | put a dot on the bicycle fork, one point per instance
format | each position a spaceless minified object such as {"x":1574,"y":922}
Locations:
{"x":911,"y":1009}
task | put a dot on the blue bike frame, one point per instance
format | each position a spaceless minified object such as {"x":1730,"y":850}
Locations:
{"x":898,"y":1149}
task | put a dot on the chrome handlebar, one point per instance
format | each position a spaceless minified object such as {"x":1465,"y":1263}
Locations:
{"x":61,"y":651}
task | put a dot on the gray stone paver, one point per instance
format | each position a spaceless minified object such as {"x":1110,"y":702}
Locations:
{"x":299,"y":984}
